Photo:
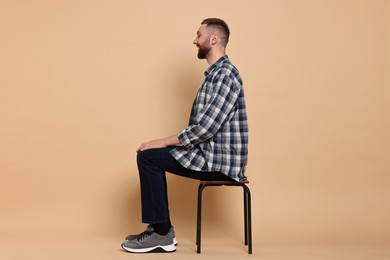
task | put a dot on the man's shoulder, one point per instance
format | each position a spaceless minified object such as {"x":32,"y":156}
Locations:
{"x":226,"y":67}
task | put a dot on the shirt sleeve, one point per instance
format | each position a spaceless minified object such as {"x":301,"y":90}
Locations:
{"x":213,"y":115}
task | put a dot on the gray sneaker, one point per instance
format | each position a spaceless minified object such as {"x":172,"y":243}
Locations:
{"x":149,"y":229}
{"x":150,"y":242}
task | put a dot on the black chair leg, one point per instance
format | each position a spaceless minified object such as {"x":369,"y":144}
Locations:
{"x":249,"y":224}
{"x":245,"y":216}
{"x":199,"y":217}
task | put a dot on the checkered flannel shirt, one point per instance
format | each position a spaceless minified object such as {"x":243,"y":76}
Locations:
{"x":216,"y":138}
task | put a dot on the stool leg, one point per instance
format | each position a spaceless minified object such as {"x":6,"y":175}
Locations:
{"x":199,"y":217}
{"x":248,"y":195}
{"x":245,"y":216}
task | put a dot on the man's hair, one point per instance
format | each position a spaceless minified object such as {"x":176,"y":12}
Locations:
{"x":219,"y":25}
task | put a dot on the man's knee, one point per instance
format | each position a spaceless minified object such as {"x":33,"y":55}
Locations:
{"x":153,"y":155}
{"x":141,"y":156}
{"x":145,"y":156}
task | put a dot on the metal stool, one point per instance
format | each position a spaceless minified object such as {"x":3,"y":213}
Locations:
{"x":247,"y":209}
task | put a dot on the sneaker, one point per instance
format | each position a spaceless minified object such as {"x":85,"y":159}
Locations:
{"x":149,"y":229}
{"x":150,"y":242}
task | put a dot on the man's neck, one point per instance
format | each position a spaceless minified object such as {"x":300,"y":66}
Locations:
{"x":211,"y":59}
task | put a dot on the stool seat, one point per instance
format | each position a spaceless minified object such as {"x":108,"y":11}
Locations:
{"x":247,"y":208}
{"x":227,"y":182}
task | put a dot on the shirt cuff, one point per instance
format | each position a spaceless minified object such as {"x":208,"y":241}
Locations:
{"x":184,"y":140}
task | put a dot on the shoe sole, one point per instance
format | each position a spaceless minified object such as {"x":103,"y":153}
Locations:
{"x":155,"y":249}
{"x":174,"y":241}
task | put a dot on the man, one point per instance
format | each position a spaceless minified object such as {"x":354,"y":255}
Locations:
{"x":214,"y":146}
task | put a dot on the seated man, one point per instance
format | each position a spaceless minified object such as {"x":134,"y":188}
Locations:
{"x":214,"y":146}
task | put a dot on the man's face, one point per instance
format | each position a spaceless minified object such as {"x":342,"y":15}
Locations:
{"x":202,"y":41}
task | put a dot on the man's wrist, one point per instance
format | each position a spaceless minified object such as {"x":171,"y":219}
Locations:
{"x":171,"y":140}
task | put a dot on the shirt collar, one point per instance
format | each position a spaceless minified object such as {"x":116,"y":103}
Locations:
{"x":216,"y":64}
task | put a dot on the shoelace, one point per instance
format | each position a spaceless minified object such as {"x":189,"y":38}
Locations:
{"x":143,"y":235}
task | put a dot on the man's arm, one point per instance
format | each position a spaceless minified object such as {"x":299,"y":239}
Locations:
{"x":160,"y":143}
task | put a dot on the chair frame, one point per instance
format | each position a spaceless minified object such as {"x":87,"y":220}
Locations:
{"x":247,"y":210}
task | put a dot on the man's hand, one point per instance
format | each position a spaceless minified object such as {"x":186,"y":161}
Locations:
{"x":159,"y":143}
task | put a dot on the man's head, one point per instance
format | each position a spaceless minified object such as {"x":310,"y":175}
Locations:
{"x":219,"y":28}
{"x":213,"y":32}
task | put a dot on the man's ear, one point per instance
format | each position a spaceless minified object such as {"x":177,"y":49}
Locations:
{"x":214,"y":39}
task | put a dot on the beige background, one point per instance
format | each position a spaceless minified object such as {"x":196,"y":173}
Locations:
{"x":83,"y":83}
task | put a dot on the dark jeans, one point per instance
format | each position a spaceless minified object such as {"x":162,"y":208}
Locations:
{"x":152,"y":165}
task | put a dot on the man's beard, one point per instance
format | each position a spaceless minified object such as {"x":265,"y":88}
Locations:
{"x":203,"y":51}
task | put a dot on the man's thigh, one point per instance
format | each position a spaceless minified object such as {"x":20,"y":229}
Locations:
{"x":164,"y":160}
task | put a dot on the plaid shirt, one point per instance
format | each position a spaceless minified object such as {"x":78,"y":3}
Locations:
{"x":216,"y":138}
